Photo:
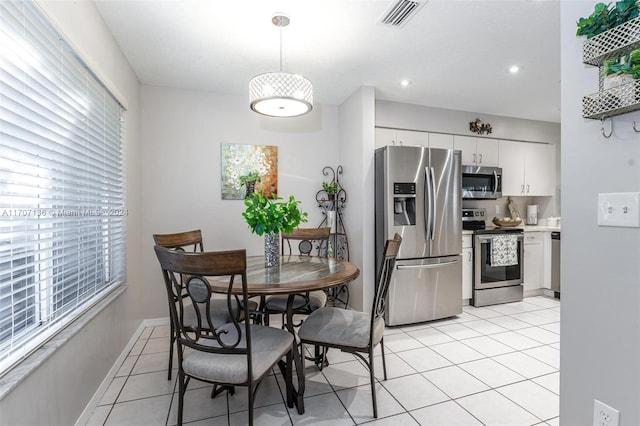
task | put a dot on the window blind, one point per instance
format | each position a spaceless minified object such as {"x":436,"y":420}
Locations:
{"x":62,"y":192}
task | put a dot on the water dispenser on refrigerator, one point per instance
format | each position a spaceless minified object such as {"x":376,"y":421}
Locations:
{"x":404,"y":203}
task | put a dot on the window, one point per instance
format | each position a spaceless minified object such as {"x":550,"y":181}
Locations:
{"x":62,"y":211}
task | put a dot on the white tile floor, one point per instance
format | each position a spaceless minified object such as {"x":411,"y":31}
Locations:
{"x":496,"y":365}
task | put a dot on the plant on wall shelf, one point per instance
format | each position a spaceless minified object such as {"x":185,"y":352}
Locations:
{"x":627,"y":64}
{"x":331,"y":188}
{"x":605,"y":17}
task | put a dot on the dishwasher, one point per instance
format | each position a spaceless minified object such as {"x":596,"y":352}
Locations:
{"x":555,"y":263}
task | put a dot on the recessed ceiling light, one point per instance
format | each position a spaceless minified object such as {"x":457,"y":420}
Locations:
{"x":514,"y":69}
{"x":405,"y":83}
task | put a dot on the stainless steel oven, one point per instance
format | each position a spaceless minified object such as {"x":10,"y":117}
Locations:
{"x":496,"y":284}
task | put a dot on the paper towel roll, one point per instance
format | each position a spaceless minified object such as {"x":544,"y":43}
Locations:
{"x":532,"y":214}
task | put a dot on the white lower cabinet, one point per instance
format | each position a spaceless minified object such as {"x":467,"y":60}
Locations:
{"x":533,"y":260}
{"x":467,"y":267}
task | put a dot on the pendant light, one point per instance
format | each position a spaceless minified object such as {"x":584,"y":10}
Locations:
{"x":280,"y":94}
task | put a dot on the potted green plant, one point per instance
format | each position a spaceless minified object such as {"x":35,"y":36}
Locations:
{"x":249,"y":180}
{"x":622,"y":70}
{"x":269,"y":217}
{"x":606,"y":16}
{"x":331,"y":188}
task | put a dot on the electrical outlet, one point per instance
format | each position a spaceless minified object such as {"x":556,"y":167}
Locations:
{"x":497,"y":209}
{"x":603,"y":415}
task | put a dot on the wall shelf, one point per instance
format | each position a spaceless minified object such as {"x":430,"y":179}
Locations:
{"x":611,"y":102}
{"x":612,"y":43}
{"x":608,"y":45}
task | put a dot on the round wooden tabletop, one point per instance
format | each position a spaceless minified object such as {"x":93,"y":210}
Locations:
{"x":295,"y":274}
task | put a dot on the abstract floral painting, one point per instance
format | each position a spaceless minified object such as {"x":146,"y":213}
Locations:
{"x":240,"y":160}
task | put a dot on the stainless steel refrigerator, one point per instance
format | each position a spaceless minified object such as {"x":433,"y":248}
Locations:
{"x":418,"y":195}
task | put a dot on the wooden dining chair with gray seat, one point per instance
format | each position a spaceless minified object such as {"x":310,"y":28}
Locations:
{"x":352,"y":331}
{"x":191,"y":241}
{"x":237,"y":353}
{"x":311,"y":242}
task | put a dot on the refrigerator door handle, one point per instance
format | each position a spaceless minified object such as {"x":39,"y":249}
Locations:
{"x":427,"y":204}
{"x":430,"y":266}
{"x":433,"y":202}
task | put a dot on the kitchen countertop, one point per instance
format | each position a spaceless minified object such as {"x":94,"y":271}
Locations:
{"x":525,"y":228}
{"x":531,"y":228}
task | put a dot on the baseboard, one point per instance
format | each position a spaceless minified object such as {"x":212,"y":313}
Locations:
{"x":533,"y":293}
{"x":97,"y":396}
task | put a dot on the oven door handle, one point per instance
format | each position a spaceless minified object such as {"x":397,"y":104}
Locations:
{"x":429,"y":266}
{"x":486,"y":239}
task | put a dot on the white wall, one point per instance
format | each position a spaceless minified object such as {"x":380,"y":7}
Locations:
{"x":58,"y":391}
{"x":357,"y":115}
{"x":182,"y":134}
{"x":600,"y":327}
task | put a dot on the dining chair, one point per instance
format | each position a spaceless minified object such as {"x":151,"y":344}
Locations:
{"x":190,"y":241}
{"x":352,"y":331}
{"x":237,"y":353}
{"x":311,"y":242}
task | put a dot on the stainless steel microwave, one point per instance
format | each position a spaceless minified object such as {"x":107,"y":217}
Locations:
{"x":481,"y":183}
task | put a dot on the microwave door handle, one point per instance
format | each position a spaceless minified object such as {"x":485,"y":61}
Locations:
{"x":495,"y":182}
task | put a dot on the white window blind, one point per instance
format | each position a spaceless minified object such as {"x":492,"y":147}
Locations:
{"x":62,"y":210}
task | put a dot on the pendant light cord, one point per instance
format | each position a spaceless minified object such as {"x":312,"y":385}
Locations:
{"x":280,"y":47}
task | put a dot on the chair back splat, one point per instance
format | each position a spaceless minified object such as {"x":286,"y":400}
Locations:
{"x":308,"y":238}
{"x":205,"y":335}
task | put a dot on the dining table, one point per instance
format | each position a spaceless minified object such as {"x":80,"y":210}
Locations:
{"x":293,"y":275}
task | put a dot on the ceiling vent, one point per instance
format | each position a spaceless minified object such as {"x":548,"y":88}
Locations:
{"x":401,"y":11}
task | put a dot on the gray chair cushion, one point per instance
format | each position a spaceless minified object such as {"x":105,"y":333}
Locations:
{"x":317,"y":299}
{"x":268,"y":346}
{"x":340,"y":327}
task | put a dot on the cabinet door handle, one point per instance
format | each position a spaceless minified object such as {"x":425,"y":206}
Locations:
{"x":522,"y":188}
{"x":527,"y":188}
{"x":469,"y":257}
{"x":474,"y":158}
{"x":480,"y":158}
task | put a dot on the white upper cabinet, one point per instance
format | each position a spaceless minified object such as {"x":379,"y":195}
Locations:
{"x":527,"y":168}
{"x":393,"y":137}
{"x":440,"y":140}
{"x":477,"y":151}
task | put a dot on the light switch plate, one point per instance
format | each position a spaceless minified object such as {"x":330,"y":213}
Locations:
{"x":619,"y":209}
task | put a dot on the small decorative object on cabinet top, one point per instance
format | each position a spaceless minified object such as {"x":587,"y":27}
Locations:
{"x":477,"y":126}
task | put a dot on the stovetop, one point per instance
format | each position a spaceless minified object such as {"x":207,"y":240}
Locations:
{"x":499,"y":230}
{"x":474,"y":220}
